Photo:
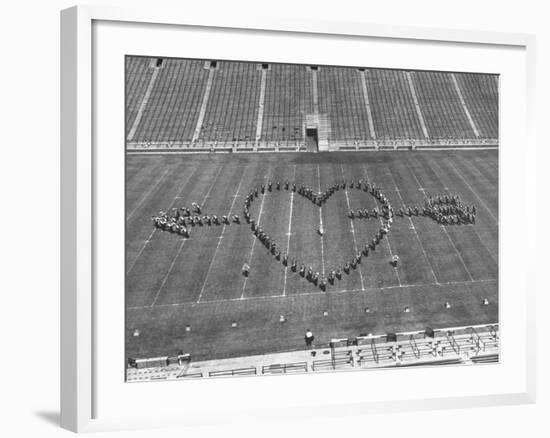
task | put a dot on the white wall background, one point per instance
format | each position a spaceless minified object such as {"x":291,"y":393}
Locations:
{"x":29,"y":219}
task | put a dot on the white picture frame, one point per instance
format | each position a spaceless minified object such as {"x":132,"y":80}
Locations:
{"x":79,"y":200}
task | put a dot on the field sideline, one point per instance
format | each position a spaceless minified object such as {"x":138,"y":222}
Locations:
{"x":173,"y":282}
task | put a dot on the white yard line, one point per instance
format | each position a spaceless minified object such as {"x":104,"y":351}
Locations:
{"x":387,"y":239}
{"x":289,"y":233}
{"x":146,"y":195}
{"x":146,"y":242}
{"x":417,"y":105}
{"x":235,"y":196}
{"x":474,"y":192}
{"x":183,"y":241}
{"x":321,"y":223}
{"x":254,"y":236}
{"x":143,"y":104}
{"x":441,"y":225}
{"x":353,"y":232}
{"x":464,"y":106}
{"x":413,"y":227}
{"x":342,"y":291}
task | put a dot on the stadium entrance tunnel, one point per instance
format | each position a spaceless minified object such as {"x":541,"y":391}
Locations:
{"x":312,"y":140}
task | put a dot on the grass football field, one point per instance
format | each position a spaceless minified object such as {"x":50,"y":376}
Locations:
{"x":172,"y":282}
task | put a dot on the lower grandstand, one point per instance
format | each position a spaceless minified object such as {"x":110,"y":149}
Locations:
{"x":388,"y":258}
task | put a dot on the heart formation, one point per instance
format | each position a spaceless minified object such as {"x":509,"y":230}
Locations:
{"x":444,"y":209}
{"x":385,"y":214}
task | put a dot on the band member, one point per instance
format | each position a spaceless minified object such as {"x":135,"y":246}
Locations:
{"x":351,"y":214}
{"x":331,"y":277}
{"x":366,"y":250}
{"x":302,"y":270}
{"x":395,"y":260}
{"x":285,"y":259}
{"x":286,"y":184}
{"x":236,"y":219}
{"x":323,"y":283}
{"x":294,"y":265}
{"x":278,"y":185}
{"x":315,"y":278}
{"x":347,"y":268}
{"x":196,"y":207}
{"x":225,"y":220}
{"x":339,"y":274}
{"x":269,"y":185}
{"x":246,"y":270}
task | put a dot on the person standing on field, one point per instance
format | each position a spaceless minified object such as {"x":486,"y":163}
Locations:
{"x":309,"y":338}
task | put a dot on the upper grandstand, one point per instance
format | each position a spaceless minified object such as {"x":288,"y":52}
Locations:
{"x":205,"y":104}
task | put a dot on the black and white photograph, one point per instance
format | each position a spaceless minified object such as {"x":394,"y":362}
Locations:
{"x":290,"y":218}
{"x":282,"y":219}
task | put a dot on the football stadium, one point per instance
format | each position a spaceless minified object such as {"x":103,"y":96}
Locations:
{"x":303,"y":218}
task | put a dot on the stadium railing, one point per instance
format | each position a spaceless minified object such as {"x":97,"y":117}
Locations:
{"x":190,"y":375}
{"x":343,"y":362}
{"x":234,"y":372}
{"x":285,"y":368}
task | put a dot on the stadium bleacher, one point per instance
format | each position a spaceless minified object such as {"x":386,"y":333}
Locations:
{"x":474,"y":344}
{"x":198,"y":105}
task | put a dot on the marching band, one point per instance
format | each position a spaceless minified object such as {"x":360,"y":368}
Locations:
{"x":446,"y":210}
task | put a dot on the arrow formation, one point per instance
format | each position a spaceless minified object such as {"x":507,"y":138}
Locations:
{"x":444,"y":209}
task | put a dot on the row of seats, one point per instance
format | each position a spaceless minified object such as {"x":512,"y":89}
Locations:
{"x":232,"y":109}
{"x":341,"y":96}
{"x":231,"y":113}
{"x":138,"y":76}
{"x":480,"y":93}
{"x":287,"y":98}
{"x":173,"y":106}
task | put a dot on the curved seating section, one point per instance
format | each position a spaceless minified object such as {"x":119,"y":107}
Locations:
{"x":172,"y":108}
{"x":287,"y":98}
{"x":341,"y":97}
{"x":232,"y":109}
{"x":191,"y":103}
